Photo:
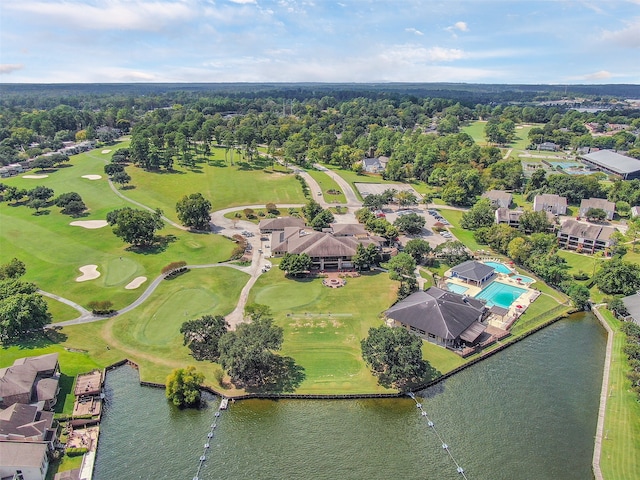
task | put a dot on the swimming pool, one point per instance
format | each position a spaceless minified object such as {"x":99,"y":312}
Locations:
{"x":500,"y":294}
{"x":523,"y":278}
{"x":499,"y":267}
{"x":455,"y":288}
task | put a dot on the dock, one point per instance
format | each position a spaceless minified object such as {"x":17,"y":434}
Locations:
{"x":224,"y":404}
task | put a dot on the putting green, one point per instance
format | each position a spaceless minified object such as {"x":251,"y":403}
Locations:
{"x":120,"y":270}
{"x":164,"y":325}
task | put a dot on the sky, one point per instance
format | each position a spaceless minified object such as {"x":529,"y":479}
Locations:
{"x":466,"y":41}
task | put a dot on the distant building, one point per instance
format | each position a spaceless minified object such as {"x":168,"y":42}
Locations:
{"x":375,"y":165}
{"x":550,"y":203}
{"x":611,"y":162}
{"x":601,"y":203}
{"x":499,"y":198}
{"x":632,"y":304}
{"x":548,"y":146}
{"x":31,"y":380}
{"x":441,"y":317}
{"x":585,"y":237}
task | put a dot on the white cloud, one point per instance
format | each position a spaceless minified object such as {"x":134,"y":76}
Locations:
{"x":243,"y":2}
{"x":602,"y":74}
{"x":419,"y":54}
{"x":626,"y":37}
{"x":462,"y":26}
{"x":413,"y":30}
{"x":110,"y":14}
{"x":7,"y":68}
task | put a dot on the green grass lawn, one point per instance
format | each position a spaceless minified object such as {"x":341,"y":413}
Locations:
{"x":476,"y":131}
{"x":53,"y":250}
{"x":465,"y":236}
{"x":223,"y":185}
{"x":578,"y":262}
{"x":621,"y":446}
{"x":59,"y":311}
{"x":327,"y":183}
{"x":353,"y":178}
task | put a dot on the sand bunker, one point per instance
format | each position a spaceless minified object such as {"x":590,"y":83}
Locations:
{"x":89,"y":272}
{"x":106,"y":151}
{"x":91,"y":224}
{"x":35,"y":176}
{"x":135,"y":283}
{"x":92,"y":177}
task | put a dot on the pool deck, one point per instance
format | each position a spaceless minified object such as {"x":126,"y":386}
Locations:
{"x":503,"y":323}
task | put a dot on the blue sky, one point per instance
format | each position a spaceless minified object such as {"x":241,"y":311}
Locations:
{"x":473,"y":41}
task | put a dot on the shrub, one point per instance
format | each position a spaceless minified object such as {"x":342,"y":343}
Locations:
{"x":101,"y":307}
{"x":174,"y":266}
{"x":76,"y":451}
{"x":581,"y":275}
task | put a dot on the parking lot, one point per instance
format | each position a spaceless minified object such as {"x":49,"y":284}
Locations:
{"x":427,"y":234}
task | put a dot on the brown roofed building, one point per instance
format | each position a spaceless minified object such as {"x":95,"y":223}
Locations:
{"x":508,"y":217}
{"x":270,"y":225}
{"x":441,"y":317}
{"x":24,"y":423}
{"x":585,"y":237}
{"x":30,"y":459}
{"x":499,"y":198}
{"x":31,"y":380}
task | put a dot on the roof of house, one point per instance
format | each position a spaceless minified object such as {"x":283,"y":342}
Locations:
{"x":19,"y":378}
{"x":498,"y":195}
{"x":348,"y":229}
{"x":505,"y":215}
{"x":573,"y":228}
{"x":632,"y":302}
{"x":602,"y":203}
{"x":550,"y":199}
{"x":444,"y":314}
{"x":614,"y":161}
{"x":20,"y":421}
{"x":280,"y":223}
{"x":22,"y":454}
{"x":318,"y":244}
{"x":473,"y":270}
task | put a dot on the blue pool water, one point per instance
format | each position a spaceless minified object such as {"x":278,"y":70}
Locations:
{"x":500,"y":294}
{"x":456,"y":288}
{"x":523,"y":278}
{"x":499,"y":267}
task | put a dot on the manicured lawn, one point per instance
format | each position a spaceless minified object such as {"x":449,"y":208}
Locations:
{"x":440,"y":358}
{"x":465,"y":236}
{"x":620,"y":456}
{"x":53,"y":250}
{"x":476,"y":131}
{"x":540,"y":311}
{"x":578,"y":262}
{"x":353,"y":178}
{"x":323,"y":326}
{"x":223,"y":185}
{"x":327,"y":183}
{"x":60,"y":311}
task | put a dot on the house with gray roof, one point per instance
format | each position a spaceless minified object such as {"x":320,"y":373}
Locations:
{"x":499,"y":198}
{"x":585,"y":237}
{"x":549,"y":202}
{"x":24,"y":461}
{"x":601,"y":203}
{"x":475,"y":273}
{"x":632,"y":304}
{"x":614,"y":163}
{"x":270,"y":225}
{"x":508,"y":217}
{"x":375,"y":165}
{"x":441,"y":317}
{"x":31,"y":380}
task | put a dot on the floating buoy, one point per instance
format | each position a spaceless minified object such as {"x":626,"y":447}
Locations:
{"x":213,"y":427}
{"x":460,"y":470}
{"x":217,"y":414}
{"x":209,"y":434}
{"x":206,"y":445}
{"x":418,"y":405}
{"x":203,"y":458}
{"x":424,"y":414}
{"x":430,"y":423}
{"x":445,"y":446}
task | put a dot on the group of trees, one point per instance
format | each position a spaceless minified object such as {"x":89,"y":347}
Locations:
{"x":632,"y":350}
{"x":22,"y":309}
{"x":194,"y":211}
{"x":317,"y":217}
{"x":41,"y":197}
{"x":134,"y":226}
{"x":295,"y":264}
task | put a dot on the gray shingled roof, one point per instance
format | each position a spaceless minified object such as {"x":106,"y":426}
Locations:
{"x":573,"y":228}
{"x":473,"y":270}
{"x":602,"y":203}
{"x":444,"y":314}
{"x":22,"y":454}
{"x":614,"y":161}
{"x":632,"y":302}
{"x":280,"y":223}
{"x":19,"y":378}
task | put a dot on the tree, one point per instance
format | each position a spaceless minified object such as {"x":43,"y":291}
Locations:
{"x":71,"y":203}
{"x":418,"y":249}
{"x":193,"y":211}
{"x":482,"y":214}
{"x":121,"y":177}
{"x":247,"y":353}
{"x":395,"y":357}
{"x":113,"y":168}
{"x":183,"y":386}
{"x":21,"y":313}
{"x":578,"y":293}
{"x":12,"y":270}
{"x":411,"y":223}
{"x":535,"y":222}
{"x":618,"y":277}
{"x":294,"y":264}
{"x":40,"y":193}
{"x":452,"y":253}
{"x":322,"y":220}
{"x":595,"y":214}
{"x":36,"y":204}
{"x":203,"y":335}
{"x":373,"y":202}
{"x":406,"y":197}
{"x":617,"y":306}
{"x":401,"y":266}
{"x":311,"y":209}
{"x":137,"y":227}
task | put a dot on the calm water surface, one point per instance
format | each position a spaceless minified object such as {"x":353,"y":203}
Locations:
{"x":526,"y":413}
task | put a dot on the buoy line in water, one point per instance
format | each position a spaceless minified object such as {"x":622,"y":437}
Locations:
{"x":207,"y":445}
{"x":445,"y":447}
